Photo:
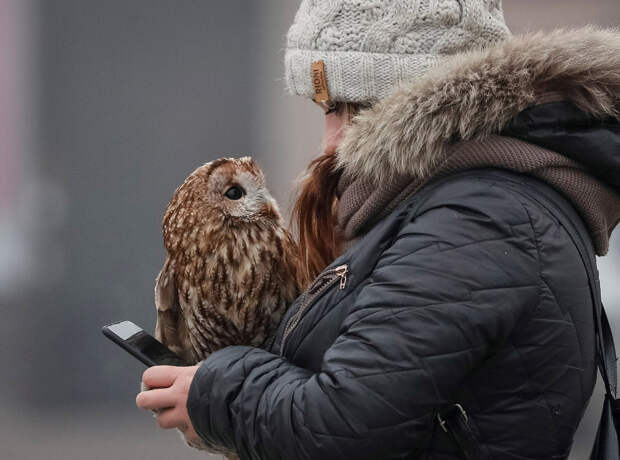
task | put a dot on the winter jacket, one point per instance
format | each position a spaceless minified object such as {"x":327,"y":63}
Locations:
{"x":469,"y":292}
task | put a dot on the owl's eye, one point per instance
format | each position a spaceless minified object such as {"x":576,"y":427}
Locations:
{"x":235,"y":192}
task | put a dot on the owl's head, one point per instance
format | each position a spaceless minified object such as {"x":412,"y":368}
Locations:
{"x":224,"y":191}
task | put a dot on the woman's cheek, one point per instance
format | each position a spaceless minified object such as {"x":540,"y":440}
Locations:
{"x":332,"y":134}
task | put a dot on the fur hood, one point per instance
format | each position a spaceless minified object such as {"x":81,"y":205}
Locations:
{"x":475,"y":94}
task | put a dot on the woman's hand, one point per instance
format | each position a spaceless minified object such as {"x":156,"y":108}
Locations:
{"x":167,"y":396}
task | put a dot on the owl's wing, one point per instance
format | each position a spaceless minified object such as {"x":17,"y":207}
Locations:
{"x":169,"y":314}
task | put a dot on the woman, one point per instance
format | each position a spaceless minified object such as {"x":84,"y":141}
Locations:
{"x":448,"y":312}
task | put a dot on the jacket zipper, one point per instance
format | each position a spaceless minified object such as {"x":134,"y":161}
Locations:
{"x":318,"y":286}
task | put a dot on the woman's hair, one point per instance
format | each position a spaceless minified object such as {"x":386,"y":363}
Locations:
{"x":315,"y":212}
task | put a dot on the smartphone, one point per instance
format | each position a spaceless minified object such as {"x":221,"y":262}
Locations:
{"x":142,"y":345}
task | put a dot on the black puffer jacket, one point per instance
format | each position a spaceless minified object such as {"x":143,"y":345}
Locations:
{"x":469,"y":292}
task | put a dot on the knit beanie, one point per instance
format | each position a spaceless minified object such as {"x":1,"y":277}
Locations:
{"x":358,"y":50}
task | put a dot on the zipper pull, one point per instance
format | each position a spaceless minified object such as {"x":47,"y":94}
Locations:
{"x":342,"y":273}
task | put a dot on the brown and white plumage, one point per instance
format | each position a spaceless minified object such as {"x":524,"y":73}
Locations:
{"x":231,"y":267}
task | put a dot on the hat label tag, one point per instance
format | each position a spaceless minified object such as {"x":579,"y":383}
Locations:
{"x":319,"y":81}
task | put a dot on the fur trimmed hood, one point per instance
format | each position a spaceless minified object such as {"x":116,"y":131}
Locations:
{"x":475,"y":94}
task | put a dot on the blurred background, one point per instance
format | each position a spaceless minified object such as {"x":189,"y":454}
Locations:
{"x":105,"y":107}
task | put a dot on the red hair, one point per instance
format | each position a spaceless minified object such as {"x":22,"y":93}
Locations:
{"x":315,"y":216}
{"x":315,"y":212}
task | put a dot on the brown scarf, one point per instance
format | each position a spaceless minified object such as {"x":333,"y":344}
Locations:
{"x":361,"y":204}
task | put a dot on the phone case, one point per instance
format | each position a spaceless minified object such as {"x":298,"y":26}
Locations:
{"x":165,"y":356}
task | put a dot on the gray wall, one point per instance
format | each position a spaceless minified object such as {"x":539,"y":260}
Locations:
{"x":134,"y":95}
{"x":131,"y":97}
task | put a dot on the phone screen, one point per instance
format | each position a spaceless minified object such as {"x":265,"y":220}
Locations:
{"x":141,"y":344}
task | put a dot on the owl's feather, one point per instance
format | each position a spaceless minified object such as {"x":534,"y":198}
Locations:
{"x":231,"y":265}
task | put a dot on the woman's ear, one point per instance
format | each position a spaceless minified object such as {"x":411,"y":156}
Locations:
{"x":168,"y":307}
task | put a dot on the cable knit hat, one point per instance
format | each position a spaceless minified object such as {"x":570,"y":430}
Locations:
{"x":358,"y":50}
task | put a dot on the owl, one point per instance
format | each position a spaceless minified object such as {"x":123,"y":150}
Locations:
{"x":231,"y":265}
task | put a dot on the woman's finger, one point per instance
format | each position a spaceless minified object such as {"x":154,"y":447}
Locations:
{"x":160,"y":376}
{"x":159,"y":398}
{"x":170,"y":418}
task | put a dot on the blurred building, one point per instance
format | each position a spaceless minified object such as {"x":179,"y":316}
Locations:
{"x":105,"y":107}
